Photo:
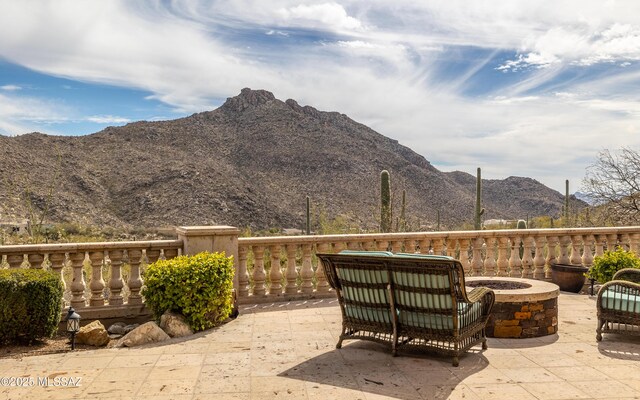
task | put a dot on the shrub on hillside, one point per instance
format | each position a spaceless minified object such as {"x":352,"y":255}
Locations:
{"x":606,"y":265}
{"x":30,"y":304}
{"x":199,"y":287}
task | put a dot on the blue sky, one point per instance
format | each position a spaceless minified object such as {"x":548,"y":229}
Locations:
{"x":515,"y":88}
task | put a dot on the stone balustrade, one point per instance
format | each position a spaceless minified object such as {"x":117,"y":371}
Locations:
{"x":285,"y":267}
{"x":522,"y":253}
{"x":82,"y":268}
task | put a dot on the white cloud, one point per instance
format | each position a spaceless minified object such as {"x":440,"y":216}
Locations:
{"x":10,"y":87}
{"x":378,"y":62}
{"x":107,"y":119}
{"x":23,"y":114}
{"x":325,"y":15}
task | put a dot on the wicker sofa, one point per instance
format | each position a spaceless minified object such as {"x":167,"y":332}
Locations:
{"x":618,"y":304}
{"x":408,"y":300}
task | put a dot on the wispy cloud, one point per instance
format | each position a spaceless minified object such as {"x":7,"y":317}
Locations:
{"x":107,"y":119}
{"x":10,"y":88}
{"x":553,"y":80}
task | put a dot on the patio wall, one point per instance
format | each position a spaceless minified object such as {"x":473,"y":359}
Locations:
{"x":84,"y":266}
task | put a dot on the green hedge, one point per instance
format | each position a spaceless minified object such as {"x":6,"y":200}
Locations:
{"x":30,"y":304}
{"x":605,"y":266}
{"x":199,"y":287}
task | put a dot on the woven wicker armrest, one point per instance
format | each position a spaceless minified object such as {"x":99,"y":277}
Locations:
{"x":484,"y":295}
{"x":628,"y":274}
{"x":620,"y":286}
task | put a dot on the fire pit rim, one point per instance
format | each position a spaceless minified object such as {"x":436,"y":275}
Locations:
{"x":538,"y":291}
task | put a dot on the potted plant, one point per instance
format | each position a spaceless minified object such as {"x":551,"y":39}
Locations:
{"x":570,"y":278}
{"x":606,"y":265}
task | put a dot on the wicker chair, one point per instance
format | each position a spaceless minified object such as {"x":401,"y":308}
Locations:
{"x":408,"y":300}
{"x":619,"y":304}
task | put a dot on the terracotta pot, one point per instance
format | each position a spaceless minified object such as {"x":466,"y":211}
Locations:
{"x":570,"y":278}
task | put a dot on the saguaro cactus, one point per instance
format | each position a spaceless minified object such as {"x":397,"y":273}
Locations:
{"x":478,"y":209}
{"x":438,"y":220}
{"x":403,"y":218}
{"x":522,"y":224}
{"x":566,"y":203}
{"x":385,"y":202}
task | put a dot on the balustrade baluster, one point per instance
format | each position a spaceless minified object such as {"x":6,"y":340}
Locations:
{"x":552,"y":243}
{"x":624,"y":242}
{"x":600,"y":242}
{"x":503,"y":262}
{"x":576,"y":257}
{"x":275,"y":274}
{"x":464,"y":255}
{"x":538,"y":260}
{"x":306,"y":272}
{"x":35,"y":260}
{"x":292,"y":274}
{"x":490,"y":257}
{"x":424,"y":246}
{"x":243,"y":276}
{"x":170,"y":253}
{"x":259,"y":274}
{"x":322,"y":286}
{"x":635,"y":243}
{"x":438,"y":246}
{"x":57,"y":263}
{"x":153,"y":255}
{"x":451,"y":248}
{"x":338,"y":247}
{"x":369,"y":245}
{"x":396,"y":246}
{"x":476,"y":261}
{"x":78,"y":284}
{"x":382,"y":245}
{"x":97,"y":282}
{"x":527,"y":260}
{"x":565,"y":241}
{"x":135,"y":280}
{"x":587,"y":251}
{"x":116,"y":283}
{"x":612,"y":241}
{"x":410,"y":246}
{"x":353,"y":245}
{"x":15,"y":260}
{"x":515,"y":264}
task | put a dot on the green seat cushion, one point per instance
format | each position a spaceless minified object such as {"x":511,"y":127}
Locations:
{"x":366,"y":253}
{"x":423,"y":256}
{"x":467,"y":314}
{"x":370,"y":314}
{"x":613,"y":299}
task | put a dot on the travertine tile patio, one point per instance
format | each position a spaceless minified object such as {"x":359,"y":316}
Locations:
{"x":287,"y":351}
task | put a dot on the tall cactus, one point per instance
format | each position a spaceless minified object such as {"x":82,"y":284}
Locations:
{"x":403,"y":218}
{"x":308,"y":216}
{"x":566,"y":203}
{"x":478,"y":209}
{"x":522,"y":224}
{"x":438,"y":220}
{"x":385,"y":202}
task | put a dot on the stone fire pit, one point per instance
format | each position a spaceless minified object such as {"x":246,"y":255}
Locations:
{"x":524,"y":308}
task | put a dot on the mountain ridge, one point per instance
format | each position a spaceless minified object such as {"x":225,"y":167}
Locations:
{"x":250,"y":163}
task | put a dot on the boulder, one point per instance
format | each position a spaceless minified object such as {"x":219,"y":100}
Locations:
{"x":117,"y":328}
{"x":93,"y":334}
{"x":129,"y":328}
{"x":175,"y":325}
{"x":145,"y":333}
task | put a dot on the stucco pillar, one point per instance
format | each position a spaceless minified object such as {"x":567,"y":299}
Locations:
{"x":197,"y":239}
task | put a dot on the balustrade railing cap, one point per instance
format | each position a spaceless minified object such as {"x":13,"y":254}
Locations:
{"x":207,"y":230}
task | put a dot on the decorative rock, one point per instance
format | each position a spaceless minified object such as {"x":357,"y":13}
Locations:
{"x":117,"y":328}
{"x":93,"y":334}
{"x":145,"y":333}
{"x":129,"y":328}
{"x":114,"y":336}
{"x":175,"y":325}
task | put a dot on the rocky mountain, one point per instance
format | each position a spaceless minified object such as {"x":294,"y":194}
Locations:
{"x":249,"y":163}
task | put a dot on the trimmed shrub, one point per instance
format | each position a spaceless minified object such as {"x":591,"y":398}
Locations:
{"x":30,"y":304}
{"x":198,"y":287}
{"x":606,"y":265}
